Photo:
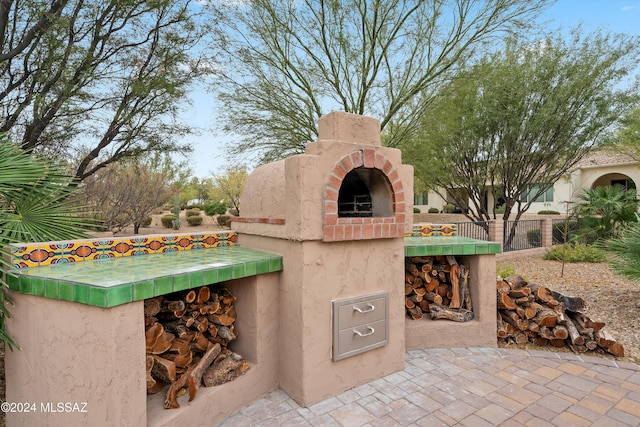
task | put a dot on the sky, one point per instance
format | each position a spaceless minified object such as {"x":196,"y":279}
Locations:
{"x":620,"y":16}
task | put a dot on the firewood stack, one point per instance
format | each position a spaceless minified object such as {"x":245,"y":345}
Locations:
{"x":439,"y":286}
{"x":528,"y":312}
{"x":186,"y":338}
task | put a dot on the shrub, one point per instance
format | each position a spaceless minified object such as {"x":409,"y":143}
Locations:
{"x":198,"y":206}
{"x":223,"y":220}
{"x":504,"y":270}
{"x":605,"y":211}
{"x":533,"y":237}
{"x":167,"y":220}
{"x":234,"y":212}
{"x":194,"y":220}
{"x":146,"y":221}
{"x":433,"y":210}
{"x":548,"y":212}
{"x":416,"y":210}
{"x":448,"y":208}
{"x":192,"y":212}
{"x":575,"y":252}
{"x":215,"y":208}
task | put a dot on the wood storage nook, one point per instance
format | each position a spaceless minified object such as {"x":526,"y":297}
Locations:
{"x":438,"y":315}
{"x":255,"y":328}
{"x":186,"y":338}
{"x":437,"y":286}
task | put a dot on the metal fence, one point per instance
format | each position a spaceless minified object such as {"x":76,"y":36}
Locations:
{"x":518,"y":235}
{"x":563,"y":229}
{"x":474,"y":229}
{"x":558,"y":231}
{"x":522,"y":234}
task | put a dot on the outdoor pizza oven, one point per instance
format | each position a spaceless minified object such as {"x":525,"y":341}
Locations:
{"x":337,"y":214}
{"x":345,"y":187}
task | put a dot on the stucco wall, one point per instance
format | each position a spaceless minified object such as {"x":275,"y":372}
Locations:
{"x":315,"y":274}
{"x":591,"y":174}
{"x":76,"y":353}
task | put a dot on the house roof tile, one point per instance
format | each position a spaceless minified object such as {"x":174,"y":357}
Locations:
{"x":605,"y":156}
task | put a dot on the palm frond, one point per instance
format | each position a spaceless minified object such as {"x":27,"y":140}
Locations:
{"x":625,"y":253}
{"x":35,"y":205}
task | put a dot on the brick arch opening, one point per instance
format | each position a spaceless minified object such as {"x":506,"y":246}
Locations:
{"x":370,"y":170}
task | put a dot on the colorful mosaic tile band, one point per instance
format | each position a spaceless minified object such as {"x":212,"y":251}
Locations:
{"x":52,"y":253}
{"x":433,"y":230}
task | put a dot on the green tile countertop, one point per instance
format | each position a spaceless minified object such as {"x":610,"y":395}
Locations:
{"x":115,"y":281}
{"x":453,"y":245}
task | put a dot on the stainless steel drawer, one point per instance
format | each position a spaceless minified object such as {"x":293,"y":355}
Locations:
{"x":358,"y":313}
{"x":360,"y":324}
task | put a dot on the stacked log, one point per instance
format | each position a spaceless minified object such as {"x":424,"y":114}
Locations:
{"x":528,"y":312}
{"x":186,"y":336}
{"x":437,"y":286}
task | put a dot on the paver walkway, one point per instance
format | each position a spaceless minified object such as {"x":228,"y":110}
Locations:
{"x":472,"y":387}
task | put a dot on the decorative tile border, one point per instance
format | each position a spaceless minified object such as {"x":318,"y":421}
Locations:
{"x":118,"y":274}
{"x":64,"y":252}
{"x":431,"y":230}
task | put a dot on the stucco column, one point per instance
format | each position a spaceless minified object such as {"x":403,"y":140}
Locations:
{"x":496,"y":231}
{"x":546,"y":228}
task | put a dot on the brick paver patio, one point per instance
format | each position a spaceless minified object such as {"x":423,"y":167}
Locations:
{"x":472,"y":387}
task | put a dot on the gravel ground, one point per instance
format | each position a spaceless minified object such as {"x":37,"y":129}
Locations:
{"x":609,"y":298}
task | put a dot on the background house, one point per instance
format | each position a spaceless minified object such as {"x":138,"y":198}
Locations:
{"x":600,"y":168}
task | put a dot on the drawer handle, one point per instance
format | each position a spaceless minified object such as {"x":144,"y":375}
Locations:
{"x":366,"y":334}
{"x":370,"y":307}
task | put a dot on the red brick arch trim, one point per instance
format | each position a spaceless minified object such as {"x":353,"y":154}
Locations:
{"x":337,"y":229}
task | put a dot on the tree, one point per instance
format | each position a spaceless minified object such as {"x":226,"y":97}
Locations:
{"x":126,"y":194}
{"x":283,"y":64}
{"x":520,"y":118}
{"x":36,"y":205}
{"x":230,"y":185}
{"x":97,"y":81}
{"x":627,"y":139}
{"x":197,"y":188}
